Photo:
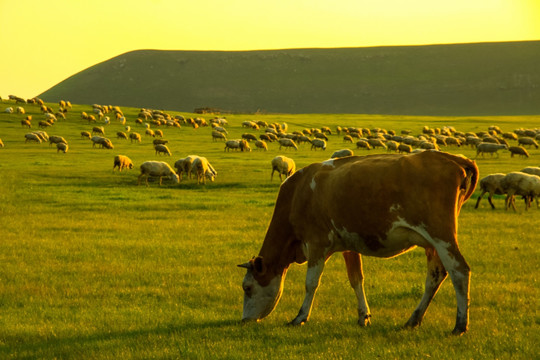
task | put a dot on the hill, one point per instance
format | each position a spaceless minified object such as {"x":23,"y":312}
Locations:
{"x":457,"y":79}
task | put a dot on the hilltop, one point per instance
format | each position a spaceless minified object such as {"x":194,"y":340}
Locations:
{"x":457,"y":79}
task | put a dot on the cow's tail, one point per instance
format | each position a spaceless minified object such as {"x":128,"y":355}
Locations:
{"x":468,"y":184}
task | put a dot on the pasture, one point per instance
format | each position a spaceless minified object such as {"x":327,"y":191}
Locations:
{"x":94,"y":266}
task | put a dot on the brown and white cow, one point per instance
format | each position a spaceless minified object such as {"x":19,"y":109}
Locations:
{"x":379,"y":205}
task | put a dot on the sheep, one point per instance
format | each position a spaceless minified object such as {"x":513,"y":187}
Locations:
{"x":518,"y":150}
{"x":32,"y":137}
{"x":303,"y":139}
{"x":160,"y":141}
{"x":98,"y":130}
{"x":249,"y":137}
{"x":1,"y":143}
{"x":363,"y":144}
{"x":158,"y":133}
{"x":53,"y":139}
{"x":85,"y":134}
{"x":203,"y":169}
{"x":9,"y":110}
{"x":527,"y":141}
{"x":157,"y":169}
{"x":102,"y":141}
{"x":392,"y":145}
{"x":150,"y":132}
{"x":283,"y":165}
{"x":62,"y":147}
{"x":26,"y":123}
{"x":162,"y":149}
{"x":217,"y":135}
{"x":533,"y":170}
{"x":20,"y":110}
{"x":320,"y":135}
{"x":184,"y":166}
{"x":342,"y":153}
{"x":318,"y":143}
{"x":284,"y":142}
{"x":42,"y":135}
{"x":43,"y":124}
{"x":404,"y":148}
{"x":237,"y":144}
{"x":376,"y":143}
{"x":259,"y":144}
{"x":221,"y":130}
{"x":489,"y":148}
{"x":490,"y":184}
{"x":122,"y":162}
{"x":519,"y":183}
{"x":134,"y":137}
{"x":121,"y":135}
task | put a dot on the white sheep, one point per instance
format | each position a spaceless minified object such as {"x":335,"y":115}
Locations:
{"x":102,"y":141}
{"x":518,"y":150}
{"x":519,"y":183}
{"x":217,"y":135}
{"x":318,"y":143}
{"x":157,"y":169}
{"x":9,"y":110}
{"x":342,"y":153}
{"x":53,"y":139}
{"x":32,"y":137}
{"x":122,"y":162}
{"x":260,"y":144}
{"x":489,"y":148}
{"x":203,"y":169}
{"x":237,"y":144}
{"x":162,"y":149}
{"x":184,"y":166}
{"x":527,"y":141}
{"x":404,"y":148}
{"x":490,"y":184}
{"x":363,"y":144}
{"x":285,"y":142}
{"x":533,"y":170}
{"x":98,"y":130}
{"x":134,"y":137}
{"x":283,"y":165}
{"x":62,"y":147}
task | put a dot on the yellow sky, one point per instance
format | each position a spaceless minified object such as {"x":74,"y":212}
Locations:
{"x":43,"y":42}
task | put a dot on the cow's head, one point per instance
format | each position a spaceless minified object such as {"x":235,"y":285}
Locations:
{"x":262,"y":290}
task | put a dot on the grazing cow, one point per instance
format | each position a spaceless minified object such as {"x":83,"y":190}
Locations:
{"x":380,"y":205}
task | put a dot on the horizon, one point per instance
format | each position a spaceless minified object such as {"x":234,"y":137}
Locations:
{"x":61,"y":38}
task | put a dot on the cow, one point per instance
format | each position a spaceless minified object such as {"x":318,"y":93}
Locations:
{"x":377,"y":205}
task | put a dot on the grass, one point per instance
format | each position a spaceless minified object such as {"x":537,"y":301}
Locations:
{"x":96,"y":267}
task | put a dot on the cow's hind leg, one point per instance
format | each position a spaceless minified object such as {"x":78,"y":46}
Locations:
{"x":460,"y":273}
{"x":356,"y":278}
{"x":436,"y":274}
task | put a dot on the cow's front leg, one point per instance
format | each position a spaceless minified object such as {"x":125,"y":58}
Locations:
{"x":313,"y":277}
{"x":353,"y":261}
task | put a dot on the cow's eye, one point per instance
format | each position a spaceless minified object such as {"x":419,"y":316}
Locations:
{"x":247,"y":290}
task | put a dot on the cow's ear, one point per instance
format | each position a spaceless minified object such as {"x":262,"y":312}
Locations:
{"x":259,"y":266}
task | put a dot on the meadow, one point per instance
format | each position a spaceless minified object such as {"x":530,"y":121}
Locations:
{"x":95,"y":267}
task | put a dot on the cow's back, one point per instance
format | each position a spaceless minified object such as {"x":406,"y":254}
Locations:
{"x":368,"y":195}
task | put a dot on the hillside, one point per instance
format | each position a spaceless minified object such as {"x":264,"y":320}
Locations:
{"x":460,"y":79}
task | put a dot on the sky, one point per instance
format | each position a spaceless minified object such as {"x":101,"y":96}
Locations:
{"x":43,"y":42}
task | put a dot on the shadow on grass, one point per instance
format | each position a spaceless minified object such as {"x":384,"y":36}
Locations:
{"x":74,"y":344}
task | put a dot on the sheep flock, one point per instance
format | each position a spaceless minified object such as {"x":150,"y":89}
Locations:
{"x":106,"y":129}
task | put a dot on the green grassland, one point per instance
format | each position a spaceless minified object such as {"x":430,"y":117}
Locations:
{"x":95,"y":267}
{"x":456,"y":79}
